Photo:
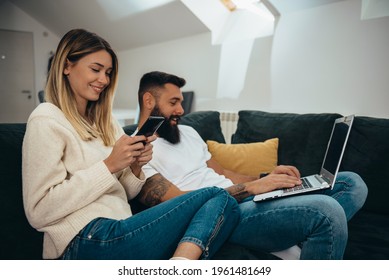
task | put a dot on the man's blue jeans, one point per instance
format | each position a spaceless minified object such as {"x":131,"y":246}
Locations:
{"x":205,"y":217}
{"x":317,"y":221}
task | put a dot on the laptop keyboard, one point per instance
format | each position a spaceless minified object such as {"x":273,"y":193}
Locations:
{"x":305,"y":184}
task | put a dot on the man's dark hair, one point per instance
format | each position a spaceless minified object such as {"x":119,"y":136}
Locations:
{"x":152,"y":81}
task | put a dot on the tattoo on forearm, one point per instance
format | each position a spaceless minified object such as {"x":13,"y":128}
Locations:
{"x":238,"y":191}
{"x":154,"y":189}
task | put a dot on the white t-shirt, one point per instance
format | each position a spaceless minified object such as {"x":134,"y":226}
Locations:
{"x":184,"y":164}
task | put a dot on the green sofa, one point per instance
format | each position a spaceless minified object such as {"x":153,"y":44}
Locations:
{"x":303,"y":139}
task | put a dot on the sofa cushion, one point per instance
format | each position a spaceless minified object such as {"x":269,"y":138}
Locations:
{"x":206,"y":123}
{"x":249,"y":159}
{"x":368,"y":237}
{"x":367,"y":153}
{"x":18,"y":239}
{"x":296,"y":133}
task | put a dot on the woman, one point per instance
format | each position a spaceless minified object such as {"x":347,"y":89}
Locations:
{"x":80,"y":170}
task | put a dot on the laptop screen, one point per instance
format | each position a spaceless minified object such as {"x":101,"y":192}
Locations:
{"x":336,"y":146}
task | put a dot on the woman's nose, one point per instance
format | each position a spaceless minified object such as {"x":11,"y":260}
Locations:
{"x":103,"y":78}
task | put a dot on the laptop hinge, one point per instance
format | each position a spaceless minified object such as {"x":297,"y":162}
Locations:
{"x":322,"y":180}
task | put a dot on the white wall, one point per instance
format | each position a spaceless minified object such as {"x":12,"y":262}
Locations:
{"x":316,"y":56}
{"x":327,"y":59}
{"x":196,"y":60}
{"x":192,"y":58}
{"x":13,"y":18}
{"x":323,"y":59}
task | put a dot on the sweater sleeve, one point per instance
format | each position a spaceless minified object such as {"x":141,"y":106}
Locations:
{"x":129,"y":181}
{"x":50,"y":191}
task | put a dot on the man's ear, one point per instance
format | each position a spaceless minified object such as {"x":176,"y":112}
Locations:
{"x":148,"y":101}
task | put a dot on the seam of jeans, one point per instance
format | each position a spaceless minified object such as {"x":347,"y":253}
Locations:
{"x":217,"y":226}
{"x":344,"y":190}
{"x":196,"y":241}
{"x":89,"y":234}
{"x":213,"y":235}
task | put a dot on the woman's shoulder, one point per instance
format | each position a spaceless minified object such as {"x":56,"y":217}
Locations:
{"x":46,"y":109}
{"x":47,"y":112}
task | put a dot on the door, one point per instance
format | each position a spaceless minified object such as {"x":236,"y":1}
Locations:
{"x":17,"y":91}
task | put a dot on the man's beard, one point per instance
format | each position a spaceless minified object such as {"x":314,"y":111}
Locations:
{"x":167,"y":131}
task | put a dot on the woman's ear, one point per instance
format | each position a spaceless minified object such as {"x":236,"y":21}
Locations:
{"x":67,"y":67}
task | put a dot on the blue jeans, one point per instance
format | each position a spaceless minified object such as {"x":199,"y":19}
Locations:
{"x":205,"y":217}
{"x":317,"y":221}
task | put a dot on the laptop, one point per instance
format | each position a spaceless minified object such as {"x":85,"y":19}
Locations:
{"x":330,"y":166}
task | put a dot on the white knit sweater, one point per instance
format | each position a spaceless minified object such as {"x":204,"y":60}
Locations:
{"x":65,"y":181}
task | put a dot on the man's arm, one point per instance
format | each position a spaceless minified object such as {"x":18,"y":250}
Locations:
{"x":236,"y":178}
{"x":239,"y":190}
{"x":244,"y":186}
{"x":158,"y":189}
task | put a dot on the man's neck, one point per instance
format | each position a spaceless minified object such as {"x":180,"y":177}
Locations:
{"x":142,"y":120}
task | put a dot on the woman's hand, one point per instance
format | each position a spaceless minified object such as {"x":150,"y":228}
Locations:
{"x":144,"y":157}
{"x":125,"y":152}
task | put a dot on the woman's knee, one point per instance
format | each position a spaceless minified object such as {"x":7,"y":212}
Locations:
{"x":230,"y":201}
{"x":231,"y":208}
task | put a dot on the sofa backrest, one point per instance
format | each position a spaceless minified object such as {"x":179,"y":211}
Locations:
{"x":18,"y":239}
{"x":302,"y":138}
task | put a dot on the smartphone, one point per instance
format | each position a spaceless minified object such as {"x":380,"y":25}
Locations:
{"x":150,"y":126}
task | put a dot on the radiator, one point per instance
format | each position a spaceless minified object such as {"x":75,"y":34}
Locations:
{"x":228,"y":123}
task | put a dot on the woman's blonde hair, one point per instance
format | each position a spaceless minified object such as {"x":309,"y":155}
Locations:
{"x":73,"y":46}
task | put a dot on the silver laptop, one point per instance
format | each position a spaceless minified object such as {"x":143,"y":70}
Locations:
{"x":330,"y":166}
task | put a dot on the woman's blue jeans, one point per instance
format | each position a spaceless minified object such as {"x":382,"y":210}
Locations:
{"x":205,"y":217}
{"x":317,"y":221}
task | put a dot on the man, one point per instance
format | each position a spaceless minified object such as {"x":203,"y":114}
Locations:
{"x":181,"y":163}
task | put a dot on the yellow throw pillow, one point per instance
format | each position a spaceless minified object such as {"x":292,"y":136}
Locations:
{"x":249,"y":159}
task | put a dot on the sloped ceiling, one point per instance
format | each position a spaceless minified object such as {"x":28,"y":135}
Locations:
{"x":166,"y":22}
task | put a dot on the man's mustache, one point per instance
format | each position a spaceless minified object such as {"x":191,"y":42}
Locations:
{"x":174,"y":118}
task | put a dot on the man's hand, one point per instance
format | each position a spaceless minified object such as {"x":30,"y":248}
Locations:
{"x":283,"y":176}
{"x":275,"y":181}
{"x":287,"y":169}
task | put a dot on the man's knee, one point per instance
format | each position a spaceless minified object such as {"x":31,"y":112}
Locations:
{"x":356,"y":186}
{"x":330,"y":214}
